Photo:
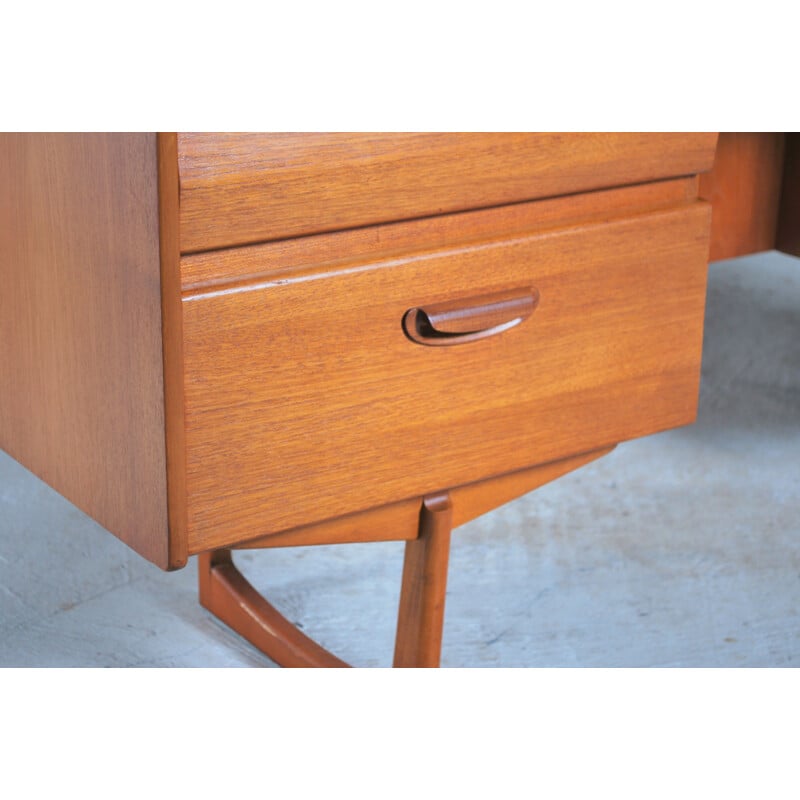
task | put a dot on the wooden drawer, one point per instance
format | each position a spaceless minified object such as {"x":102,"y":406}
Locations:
{"x":304,"y":398}
{"x":242,"y":188}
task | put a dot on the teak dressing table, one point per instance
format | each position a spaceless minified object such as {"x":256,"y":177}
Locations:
{"x":223,"y":341}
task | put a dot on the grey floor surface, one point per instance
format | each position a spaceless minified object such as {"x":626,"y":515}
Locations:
{"x":680,"y":549}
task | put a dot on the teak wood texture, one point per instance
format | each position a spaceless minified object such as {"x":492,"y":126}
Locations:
{"x":81,"y":359}
{"x":212,"y":341}
{"x":425,"y":524}
{"x":400,"y":521}
{"x":230,"y":597}
{"x":191,"y":400}
{"x":239,"y":188}
{"x":744,"y":189}
{"x":306,"y":401}
{"x":420,"y":617}
{"x":201,"y":271}
{"x":172,"y":337}
{"x":227,"y":594}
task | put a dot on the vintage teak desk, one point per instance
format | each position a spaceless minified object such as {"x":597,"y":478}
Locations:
{"x":214,"y":341}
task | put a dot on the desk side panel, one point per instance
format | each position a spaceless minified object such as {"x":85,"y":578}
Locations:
{"x":744,"y":190}
{"x":81,"y":364}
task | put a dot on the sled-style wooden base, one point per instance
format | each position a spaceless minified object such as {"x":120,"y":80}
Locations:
{"x":425,"y":527}
{"x":227,"y":594}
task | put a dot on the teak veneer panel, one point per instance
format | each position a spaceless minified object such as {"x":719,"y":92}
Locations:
{"x":81,"y":349}
{"x":400,"y":521}
{"x":241,"y":188}
{"x":200,"y":271}
{"x":305,"y":401}
{"x":172,"y":336}
{"x":303,"y":406}
{"x":744,"y":189}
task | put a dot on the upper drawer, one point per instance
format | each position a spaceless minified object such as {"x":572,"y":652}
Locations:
{"x":305,"y":399}
{"x":238,"y":188}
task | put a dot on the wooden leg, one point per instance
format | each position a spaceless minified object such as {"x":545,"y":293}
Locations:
{"x":227,"y":594}
{"x":421,"y":615}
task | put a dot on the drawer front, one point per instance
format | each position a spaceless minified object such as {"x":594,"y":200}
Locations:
{"x":305,"y":399}
{"x":243,"y":188}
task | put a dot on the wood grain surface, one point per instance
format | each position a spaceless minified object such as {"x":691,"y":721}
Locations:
{"x":240,"y":188}
{"x":81,"y":363}
{"x":420,"y":617}
{"x":227,"y":594}
{"x":394,"y":522}
{"x":744,"y":191}
{"x":202,"y":271}
{"x":475,"y":499}
{"x":788,"y":236}
{"x":291,"y":419}
{"x":400,"y":521}
{"x":172,"y":336}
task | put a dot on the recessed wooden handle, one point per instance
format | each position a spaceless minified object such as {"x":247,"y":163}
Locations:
{"x":462,"y":321}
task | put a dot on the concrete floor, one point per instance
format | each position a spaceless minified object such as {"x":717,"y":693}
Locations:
{"x":680,"y":549}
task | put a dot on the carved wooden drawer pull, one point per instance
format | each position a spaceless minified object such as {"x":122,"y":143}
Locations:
{"x":462,"y":321}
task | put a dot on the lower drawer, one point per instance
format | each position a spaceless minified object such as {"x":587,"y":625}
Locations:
{"x":305,"y":398}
